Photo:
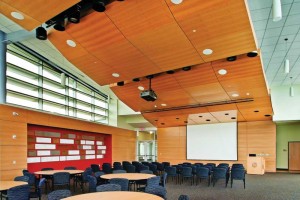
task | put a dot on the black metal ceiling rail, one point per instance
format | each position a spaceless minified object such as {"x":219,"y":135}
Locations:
{"x":200,"y":105}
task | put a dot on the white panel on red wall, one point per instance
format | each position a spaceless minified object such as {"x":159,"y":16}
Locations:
{"x":45,"y":146}
{"x":73,"y":157}
{"x":50,"y":159}
{"x":33,"y":160}
{"x":89,"y":142}
{"x":90,"y":157}
{"x":43,"y":153}
{"x":82,"y":141}
{"x":99,"y":143}
{"x":43,"y":140}
{"x":103,"y":151}
{"x":73,"y":152}
{"x":101,"y":147}
{"x":99,"y":156}
{"x":90,"y":152}
{"x":66,"y":141}
{"x":86,"y":147}
{"x":62,"y":158}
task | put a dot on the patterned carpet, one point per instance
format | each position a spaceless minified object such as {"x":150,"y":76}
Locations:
{"x":271,"y":186}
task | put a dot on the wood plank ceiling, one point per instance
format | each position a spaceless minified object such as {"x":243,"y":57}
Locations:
{"x":136,"y":38}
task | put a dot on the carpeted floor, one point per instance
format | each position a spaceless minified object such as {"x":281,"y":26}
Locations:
{"x":271,"y":186}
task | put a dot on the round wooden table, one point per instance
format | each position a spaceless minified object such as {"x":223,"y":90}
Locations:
{"x":5,"y":185}
{"x":129,"y":176}
{"x":51,"y":172}
{"x":116,"y":195}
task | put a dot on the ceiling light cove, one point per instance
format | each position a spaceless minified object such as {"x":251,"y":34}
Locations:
{"x":116,"y":75}
{"x":235,"y":95}
{"x":176,"y":1}
{"x":222,"y":71}
{"x":207,"y":51}
{"x":17,"y":15}
{"x":71,"y":43}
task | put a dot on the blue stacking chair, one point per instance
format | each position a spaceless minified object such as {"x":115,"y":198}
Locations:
{"x":19,"y":193}
{"x":123,"y":182}
{"x":238,"y":174}
{"x":157,"y":190}
{"x":108,"y":187}
{"x":59,"y":194}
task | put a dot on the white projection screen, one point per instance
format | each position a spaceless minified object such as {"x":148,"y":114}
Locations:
{"x":212,"y":141}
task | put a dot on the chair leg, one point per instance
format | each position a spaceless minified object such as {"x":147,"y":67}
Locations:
{"x":231,"y":182}
{"x":244,"y":183}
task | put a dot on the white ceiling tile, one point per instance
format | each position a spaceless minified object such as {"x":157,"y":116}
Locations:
{"x":287,"y":30}
{"x":295,"y":9}
{"x":293,"y":20}
{"x":269,"y":41}
{"x":261,"y":14}
{"x":272,"y":32}
{"x":259,"y":34}
{"x":272,"y":24}
{"x":259,"y":4}
{"x":297,"y":38}
{"x":5,"y":30}
{"x":260,"y":25}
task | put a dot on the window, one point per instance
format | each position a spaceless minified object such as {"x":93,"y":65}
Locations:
{"x":33,"y":83}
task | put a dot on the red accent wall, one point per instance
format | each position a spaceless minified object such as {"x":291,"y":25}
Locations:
{"x":80,"y":164}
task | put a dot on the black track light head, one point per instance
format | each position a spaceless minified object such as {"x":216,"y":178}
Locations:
{"x":41,"y":33}
{"x":99,"y":5}
{"x":60,"y":25}
{"x":121,"y":83}
{"x":170,"y":72}
{"x":187,"y":68}
{"x":136,"y":80}
{"x":231,"y":58}
{"x":74,"y":17}
{"x":252,"y":54}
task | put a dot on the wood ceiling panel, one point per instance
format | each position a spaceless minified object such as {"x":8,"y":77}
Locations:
{"x":198,"y":75}
{"x":35,"y":12}
{"x":225,"y":116}
{"x":110,"y":46}
{"x":146,"y":24}
{"x":223,"y":26}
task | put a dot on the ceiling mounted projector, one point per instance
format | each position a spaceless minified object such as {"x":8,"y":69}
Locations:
{"x":149,"y":95}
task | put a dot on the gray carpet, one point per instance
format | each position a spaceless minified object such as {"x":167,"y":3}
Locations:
{"x":271,"y":186}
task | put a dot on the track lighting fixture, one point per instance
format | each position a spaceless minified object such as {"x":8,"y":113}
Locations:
{"x":41,"y":33}
{"x":170,"y":72}
{"x":136,"y":80}
{"x":60,"y":25}
{"x":121,"y":83}
{"x":231,"y":58}
{"x":252,"y":54}
{"x":188,"y":68}
{"x":74,"y":17}
{"x":99,"y":5}
{"x":277,"y":13}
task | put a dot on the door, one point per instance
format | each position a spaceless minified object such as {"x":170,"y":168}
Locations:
{"x":294,"y":156}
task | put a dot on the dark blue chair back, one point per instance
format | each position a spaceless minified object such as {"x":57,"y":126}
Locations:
{"x":130,"y":168}
{"x":95,"y":168}
{"x":19,"y":193}
{"x":120,"y":171}
{"x":108,"y":187}
{"x":183,"y":197}
{"x":21,"y":178}
{"x":123,"y":182}
{"x":92,"y":183}
{"x":153,"y":181}
{"x":157,"y":190}
{"x":59,"y":194}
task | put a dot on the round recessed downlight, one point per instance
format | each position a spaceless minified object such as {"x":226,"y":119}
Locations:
{"x":207,"y":51}
{"x":141,"y":88}
{"x":17,"y":15}
{"x":233,"y":118}
{"x":194,"y":31}
{"x":116,"y":75}
{"x":176,"y":1}
{"x":208,"y":120}
{"x":247,"y":93}
{"x":267,"y":115}
{"x":163,"y":104}
{"x":235,"y":95}
{"x":71,"y":43}
{"x":222,"y":71}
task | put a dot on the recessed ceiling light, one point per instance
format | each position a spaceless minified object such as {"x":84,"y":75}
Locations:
{"x":17,"y":15}
{"x":226,"y":113}
{"x":136,"y":80}
{"x":185,"y":122}
{"x":176,"y":1}
{"x":207,"y":51}
{"x":222,"y":71}
{"x":194,"y":31}
{"x":256,"y":111}
{"x":163,"y":104}
{"x":162,"y":123}
{"x":235,"y":95}
{"x":121,"y":83}
{"x":141,"y":88}
{"x":71,"y":43}
{"x":177,"y":117}
{"x":247,"y":93}
{"x":156,"y":120}
{"x":208,"y":120}
{"x":200,"y":116}
{"x":233,"y":118}
{"x":155,"y":106}
{"x":116,"y":75}
{"x":267,"y":115}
